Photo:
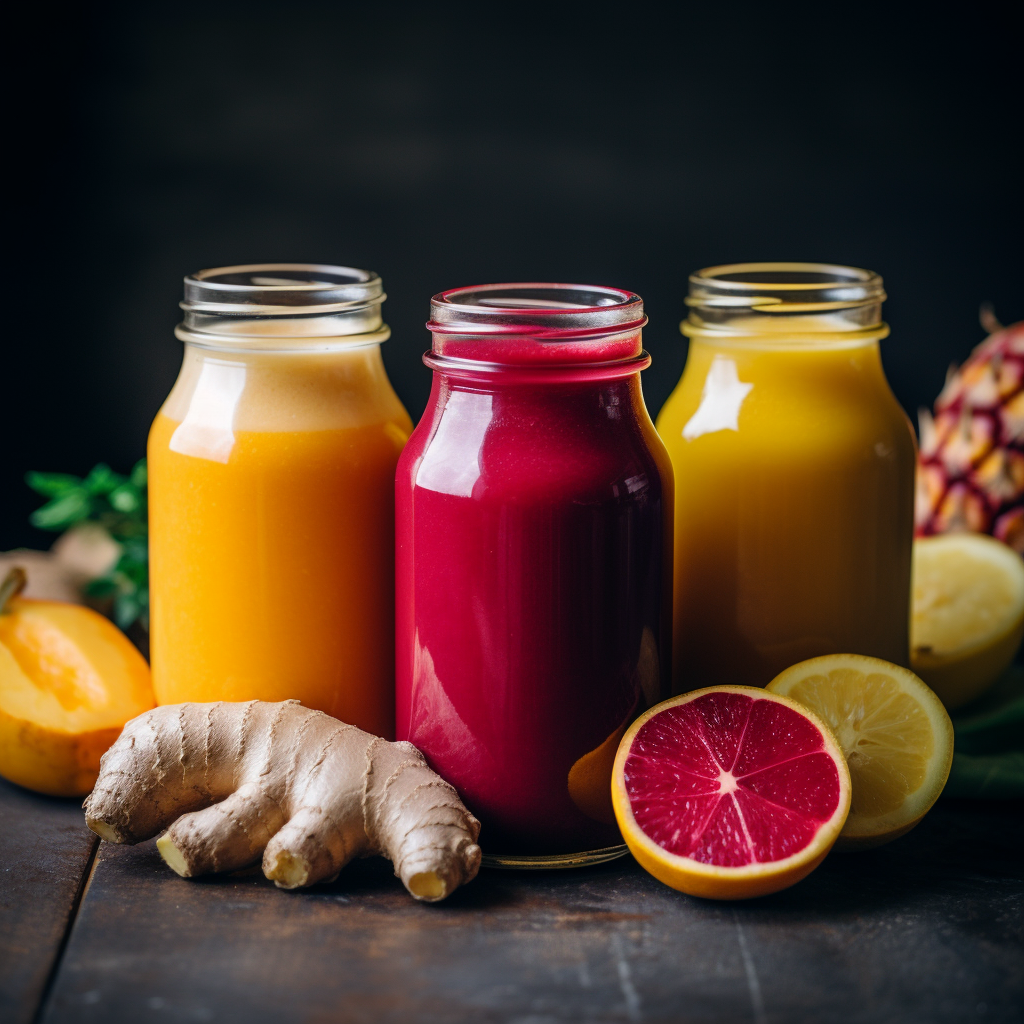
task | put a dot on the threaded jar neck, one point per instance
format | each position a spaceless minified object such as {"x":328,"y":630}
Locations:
{"x":785,"y":303}
{"x":542,"y":326}
{"x":283,"y":307}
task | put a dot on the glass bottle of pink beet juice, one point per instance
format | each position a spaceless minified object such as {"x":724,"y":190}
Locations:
{"x":534,"y":526}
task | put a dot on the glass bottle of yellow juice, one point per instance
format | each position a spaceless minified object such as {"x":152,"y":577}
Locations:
{"x":794,"y":469}
{"x":271,"y":481}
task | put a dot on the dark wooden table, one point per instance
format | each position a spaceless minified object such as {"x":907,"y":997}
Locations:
{"x":926,"y":930}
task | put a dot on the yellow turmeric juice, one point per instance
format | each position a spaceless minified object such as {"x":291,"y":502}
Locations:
{"x":794,"y":468}
{"x":271,"y":482}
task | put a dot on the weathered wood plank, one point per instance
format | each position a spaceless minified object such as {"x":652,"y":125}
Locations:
{"x":45,"y":849}
{"x":927,"y":930}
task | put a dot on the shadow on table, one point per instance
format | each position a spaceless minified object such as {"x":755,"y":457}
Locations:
{"x":962,"y":849}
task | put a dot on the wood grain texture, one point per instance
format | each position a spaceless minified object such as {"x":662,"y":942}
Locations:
{"x":926,"y":930}
{"x":45,"y":849}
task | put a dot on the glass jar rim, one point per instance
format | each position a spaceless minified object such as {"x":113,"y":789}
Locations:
{"x":541,"y":309}
{"x":281,"y":289}
{"x":810,"y":286}
{"x":283,"y":307}
{"x":819,"y":302}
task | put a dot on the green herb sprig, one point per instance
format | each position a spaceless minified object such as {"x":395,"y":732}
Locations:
{"x":119,"y":504}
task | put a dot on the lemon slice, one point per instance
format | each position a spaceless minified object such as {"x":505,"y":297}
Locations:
{"x":894,"y":732}
{"x":968,"y":613}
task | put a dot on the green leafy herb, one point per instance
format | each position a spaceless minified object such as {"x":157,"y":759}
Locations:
{"x":118,"y":504}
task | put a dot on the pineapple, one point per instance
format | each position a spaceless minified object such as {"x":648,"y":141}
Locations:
{"x":970,"y":472}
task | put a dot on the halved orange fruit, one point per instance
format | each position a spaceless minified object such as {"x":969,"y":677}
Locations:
{"x":730,"y":792}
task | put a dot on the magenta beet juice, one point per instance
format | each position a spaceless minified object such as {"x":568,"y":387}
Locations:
{"x":533,"y":515}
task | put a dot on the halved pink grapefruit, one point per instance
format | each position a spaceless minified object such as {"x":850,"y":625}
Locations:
{"x":730,"y":791}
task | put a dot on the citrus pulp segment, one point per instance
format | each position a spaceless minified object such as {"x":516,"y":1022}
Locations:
{"x":894,"y":732}
{"x":968,"y":613}
{"x":729,"y":792}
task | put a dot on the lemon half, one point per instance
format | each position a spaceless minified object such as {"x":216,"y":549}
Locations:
{"x":968,"y":613}
{"x":894,"y":732}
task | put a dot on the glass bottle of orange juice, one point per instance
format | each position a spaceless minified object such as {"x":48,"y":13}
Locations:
{"x":271,"y":483}
{"x":794,"y":469}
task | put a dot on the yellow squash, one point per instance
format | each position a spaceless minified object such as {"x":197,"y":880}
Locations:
{"x":69,"y":680}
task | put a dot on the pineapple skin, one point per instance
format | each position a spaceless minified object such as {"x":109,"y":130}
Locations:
{"x":970,"y":469}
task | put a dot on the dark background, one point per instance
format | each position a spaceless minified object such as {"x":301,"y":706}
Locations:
{"x":448,"y":145}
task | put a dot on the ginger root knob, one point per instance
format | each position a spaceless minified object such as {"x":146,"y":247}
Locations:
{"x":239,"y":781}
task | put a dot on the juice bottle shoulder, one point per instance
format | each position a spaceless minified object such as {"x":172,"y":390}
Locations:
{"x":556,"y":444}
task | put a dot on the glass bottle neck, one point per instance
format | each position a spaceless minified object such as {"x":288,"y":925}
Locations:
{"x":785,"y":304}
{"x":504,"y":361}
{"x":579,"y":402}
{"x":282,"y":307}
{"x":566,"y":332}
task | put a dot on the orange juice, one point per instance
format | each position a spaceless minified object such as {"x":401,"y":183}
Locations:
{"x":271,"y":476}
{"x":794,"y":469}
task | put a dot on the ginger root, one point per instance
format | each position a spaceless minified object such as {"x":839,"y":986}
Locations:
{"x":237,"y":780}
